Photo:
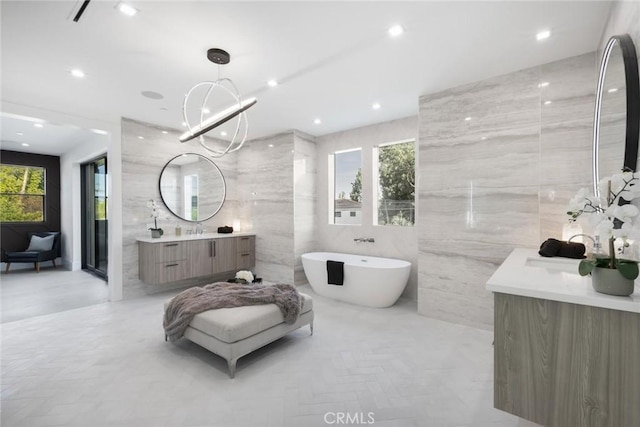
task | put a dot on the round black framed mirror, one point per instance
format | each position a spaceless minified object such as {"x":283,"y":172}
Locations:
{"x":617,"y":111}
{"x":192,"y":187}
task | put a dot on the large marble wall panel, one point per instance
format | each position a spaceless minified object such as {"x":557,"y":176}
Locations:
{"x":390,"y":241}
{"x":142,"y":163}
{"x":304,"y":182}
{"x":498,"y":180}
{"x":265,"y":183}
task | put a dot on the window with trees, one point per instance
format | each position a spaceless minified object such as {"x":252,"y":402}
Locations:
{"x":396,"y":183}
{"x":22,"y":193}
{"x":347,"y":167}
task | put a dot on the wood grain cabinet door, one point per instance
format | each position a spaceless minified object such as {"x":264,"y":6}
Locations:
{"x":224,"y":255}
{"x":201,"y":257}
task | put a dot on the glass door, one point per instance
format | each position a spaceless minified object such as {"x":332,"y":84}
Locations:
{"x":94,"y":216}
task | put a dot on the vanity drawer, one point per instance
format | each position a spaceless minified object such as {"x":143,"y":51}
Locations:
{"x":246,"y":244}
{"x":164,"y":272}
{"x":246,"y":260}
{"x":170,"y":251}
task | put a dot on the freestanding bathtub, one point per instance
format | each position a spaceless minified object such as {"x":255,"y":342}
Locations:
{"x":368,"y":281}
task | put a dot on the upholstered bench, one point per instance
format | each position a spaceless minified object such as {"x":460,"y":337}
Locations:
{"x":235,"y":332}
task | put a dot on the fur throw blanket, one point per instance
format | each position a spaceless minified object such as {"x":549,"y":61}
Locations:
{"x":184,"y":306}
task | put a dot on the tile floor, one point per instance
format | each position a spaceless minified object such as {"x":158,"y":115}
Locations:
{"x":25,"y":293}
{"x":108,"y":365}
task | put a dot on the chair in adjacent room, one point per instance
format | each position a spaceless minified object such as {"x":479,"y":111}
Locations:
{"x":43,"y":246}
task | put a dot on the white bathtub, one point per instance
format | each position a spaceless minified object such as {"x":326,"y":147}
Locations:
{"x":368,"y":281}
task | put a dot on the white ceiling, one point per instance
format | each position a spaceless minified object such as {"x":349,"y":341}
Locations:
{"x":333,"y":59}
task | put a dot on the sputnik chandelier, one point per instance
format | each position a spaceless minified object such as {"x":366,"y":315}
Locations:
{"x":237,"y":109}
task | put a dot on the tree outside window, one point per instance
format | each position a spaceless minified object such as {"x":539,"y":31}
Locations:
{"x":396,"y":184}
{"x":22,"y":193}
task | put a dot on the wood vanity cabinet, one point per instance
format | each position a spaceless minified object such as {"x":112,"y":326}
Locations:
{"x":172,"y":261}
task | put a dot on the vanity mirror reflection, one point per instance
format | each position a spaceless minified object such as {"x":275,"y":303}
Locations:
{"x":192,"y":187}
{"x":617,"y":110}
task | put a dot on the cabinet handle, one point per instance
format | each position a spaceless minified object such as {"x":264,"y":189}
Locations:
{"x":214,"y":248}
{"x":244,"y":238}
{"x":246,"y":254}
{"x":171,"y":244}
{"x":171,"y":265}
{"x":210,"y":248}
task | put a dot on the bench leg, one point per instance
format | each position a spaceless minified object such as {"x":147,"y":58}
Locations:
{"x":37,"y":266}
{"x":54,"y":263}
{"x":311,"y":328}
{"x":6,"y":270}
{"x":231,"y":364}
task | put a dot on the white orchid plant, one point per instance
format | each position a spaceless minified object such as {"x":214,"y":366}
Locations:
{"x":612,"y":217}
{"x":155,"y":213}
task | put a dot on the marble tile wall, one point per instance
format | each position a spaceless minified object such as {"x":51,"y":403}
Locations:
{"x":390,"y":241}
{"x":497,"y":167}
{"x":142,"y":163}
{"x":305,"y":197}
{"x":266,"y":188}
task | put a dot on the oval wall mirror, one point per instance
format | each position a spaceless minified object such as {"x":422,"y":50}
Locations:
{"x":617,"y":111}
{"x":192,"y":187}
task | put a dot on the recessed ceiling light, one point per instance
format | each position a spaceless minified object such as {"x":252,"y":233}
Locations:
{"x":543,"y":84}
{"x":376,"y":106}
{"x":317,"y":121}
{"x":19,"y":133}
{"x":466,"y":119}
{"x":395,"y":31}
{"x":547,"y":102}
{"x":127,"y":9}
{"x":543,"y":35}
{"x":205,"y":110}
{"x":141,"y":137}
{"x":270,"y":145}
{"x":24,"y":144}
{"x":184,"y":124}
{"x":99,"y":131}
{"x":223,"y":133}
{"x":165,"y":132}
{"x":272,"y":83}
{"x":38,"y":125}
{"x":613,"y":89}
{"x":76,"y":72}
{"x":483,"y":138}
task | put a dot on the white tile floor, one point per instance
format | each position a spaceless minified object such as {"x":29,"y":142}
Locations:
{"x":108,"y":365}
{"x":25,"y":293}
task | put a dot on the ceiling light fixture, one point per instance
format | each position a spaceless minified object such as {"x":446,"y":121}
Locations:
{"x":99,"y":131}
{"x":612,"y":90}
{"x":38,"y":125}
{"x":165,"y":132}
{"x":542,"y":35}
{"x":317,"y":121}
{"x":547,"y":102}
{"x":77,"y":73}
{"x":141,"y":137}
{"x":237,"y":109}
{"x":24,"y":144}
{"x":270,"y":145}
{"x":127,"y":9}
{"x":376,"y":106}
{"x":466,"y":119}
{"x":223,"y":133}
{"x":272,"y":83}
{"x":395,"y":30}
{"x":543,"y":84}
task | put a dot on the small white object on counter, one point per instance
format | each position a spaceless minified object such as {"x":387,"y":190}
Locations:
{"x":527,"y":274}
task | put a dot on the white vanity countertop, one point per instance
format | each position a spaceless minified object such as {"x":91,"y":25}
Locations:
{"x":527,"y":274}
{"x":187,"y":237}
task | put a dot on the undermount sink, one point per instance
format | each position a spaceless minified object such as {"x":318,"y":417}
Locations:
{"x":566,"y":265}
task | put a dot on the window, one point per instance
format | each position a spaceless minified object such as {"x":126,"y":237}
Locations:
{"x":352,"y":213}
{"x":347,"y":188}
{"x":22,"y":193}
{"x":396,"y":183}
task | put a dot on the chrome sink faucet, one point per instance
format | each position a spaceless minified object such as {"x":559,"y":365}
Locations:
{"x":596,"y":241}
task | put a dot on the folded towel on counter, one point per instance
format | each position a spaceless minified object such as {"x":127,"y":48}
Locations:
{"x":554,"y":247}
{"x":335,"y":273}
